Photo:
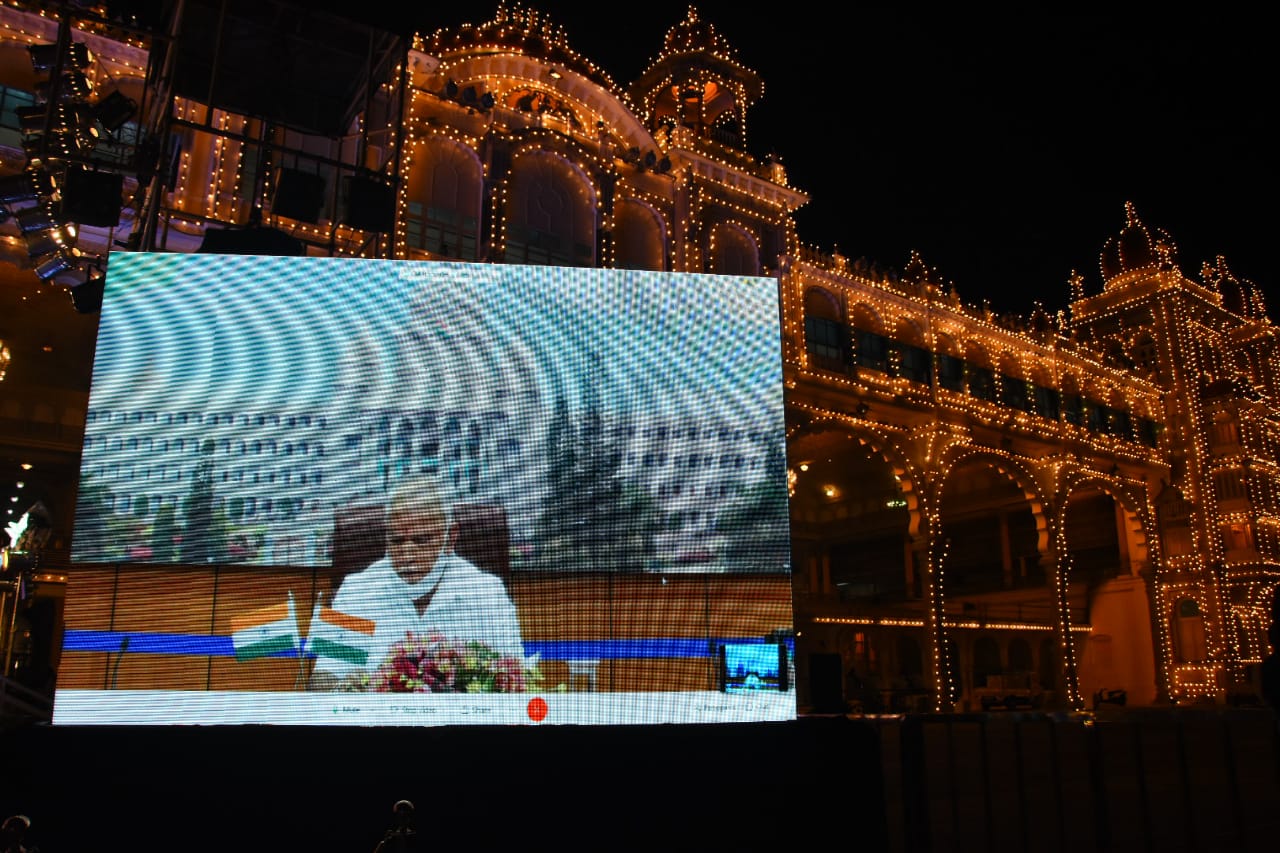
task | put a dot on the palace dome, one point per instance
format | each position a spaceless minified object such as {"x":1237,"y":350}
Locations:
{"x":1135,"y":249}
{"x":695,"y":34}
{"x":516,"y":29}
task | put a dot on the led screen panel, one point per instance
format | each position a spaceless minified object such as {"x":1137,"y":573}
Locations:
{"x":754,"y":666}
{"x":364,"y":492}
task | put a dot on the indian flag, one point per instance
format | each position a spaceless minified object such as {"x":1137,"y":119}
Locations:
{"x":265,"y":631}
{"x":340,"y":636}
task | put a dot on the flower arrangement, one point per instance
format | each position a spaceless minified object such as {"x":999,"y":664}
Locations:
{"x":431,"y":663}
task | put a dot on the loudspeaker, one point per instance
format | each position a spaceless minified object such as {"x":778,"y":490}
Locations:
{"x":368,"y":204}
{"x":91,"y":198}
{"x":826,"y":683}
{"x":250,"y":241}
{"x":298,"y":195}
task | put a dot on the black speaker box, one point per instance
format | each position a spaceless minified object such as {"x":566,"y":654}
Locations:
{"x":298,"y":195}
{"x":369,"y":204}
{"x":92,"y":198}
{"x":250,"y":241}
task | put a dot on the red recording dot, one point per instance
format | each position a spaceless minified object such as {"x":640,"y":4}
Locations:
{"x":537,"y":709}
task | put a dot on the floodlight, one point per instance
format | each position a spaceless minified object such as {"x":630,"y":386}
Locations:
{"x":115,"y":109}
{"x":38,"y":218}
{"x":45,"y":56}
{"x":65,"y":117}
{"x":73,"y":86}
{"x":49,"y":241}
{"x":58,"y":262}
{"x":26,"y":186}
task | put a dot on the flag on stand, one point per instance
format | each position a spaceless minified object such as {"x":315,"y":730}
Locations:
{"x":266,"y":631}
{"x":340,"y":636}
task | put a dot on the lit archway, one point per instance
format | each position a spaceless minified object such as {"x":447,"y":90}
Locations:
{"x":1104,"y":551}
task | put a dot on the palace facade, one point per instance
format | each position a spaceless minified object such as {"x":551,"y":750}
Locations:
{"x":987,"y":511}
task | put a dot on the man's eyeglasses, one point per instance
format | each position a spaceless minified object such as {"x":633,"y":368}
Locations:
{"x":417,"y":540}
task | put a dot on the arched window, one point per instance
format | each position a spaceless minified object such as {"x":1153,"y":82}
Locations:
{"x":825,"y":337}
{"x":551,"y":213}
{"x":870,"y":346}
{"x":1188,"y":634}
{"x":1015,"y":391}
{"x":950,"y":364}
{"x":733,"y":251}
{"x":443,"y":200}
{"x":1073,"y":406}
{"x":914,"y":361}
{"x":1144,"y":353}
{"x":981,"y":376}
{"x":639,"y":238}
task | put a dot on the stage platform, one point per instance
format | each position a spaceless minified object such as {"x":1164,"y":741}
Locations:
{"x":760,"y":786}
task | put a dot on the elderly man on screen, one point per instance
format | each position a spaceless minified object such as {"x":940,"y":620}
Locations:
{"x":419,"y":586}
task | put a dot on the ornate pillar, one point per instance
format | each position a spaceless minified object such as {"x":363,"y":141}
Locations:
{"x":604,"y":219}
{"x":1159,"y":634}
{"x":1058,"y":568}
{"x":943,"y":679}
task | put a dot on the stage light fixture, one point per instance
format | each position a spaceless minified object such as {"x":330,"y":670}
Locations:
{"x":26,"y":186}
{"x":71,"y":117}
{"x":44,"y":57}
{"x":31,"y":120}
{"x":72,"y":86}
{"x":41,"y":217}
{"x":58,"y":262}
{"x":47,"y":242}
{"x":115,"y":109}
{"x":42,"y":149}
{"x":39,"y":150}
{"x":78,"y":55}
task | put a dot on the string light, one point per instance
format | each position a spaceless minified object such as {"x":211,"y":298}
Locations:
{"x":1140,"y":354}
{"x":1142,"y":291}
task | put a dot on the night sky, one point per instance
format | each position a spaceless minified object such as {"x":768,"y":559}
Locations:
{"x":1002,"y":147}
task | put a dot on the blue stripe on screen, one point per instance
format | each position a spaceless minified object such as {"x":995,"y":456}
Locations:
{"x":203,"y":645}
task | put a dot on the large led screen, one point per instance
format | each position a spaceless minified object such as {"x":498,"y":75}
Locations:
{"x":364,"y":492}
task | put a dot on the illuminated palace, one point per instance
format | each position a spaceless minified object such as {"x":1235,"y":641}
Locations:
{"x":988,"y":511}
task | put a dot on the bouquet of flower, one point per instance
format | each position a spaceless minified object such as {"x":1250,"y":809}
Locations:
{"x":432,"y":664}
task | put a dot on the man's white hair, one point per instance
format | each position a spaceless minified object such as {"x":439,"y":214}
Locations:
{"x":419,"y":493}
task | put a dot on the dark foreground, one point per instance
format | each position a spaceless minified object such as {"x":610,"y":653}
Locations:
{"x":776,"y":786}
{"x":1140,"y":779}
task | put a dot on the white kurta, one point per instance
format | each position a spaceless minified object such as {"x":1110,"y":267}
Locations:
{"x":466,"y":604}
